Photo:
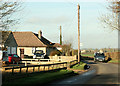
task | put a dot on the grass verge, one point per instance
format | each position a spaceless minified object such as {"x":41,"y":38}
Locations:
{"x":114,"y":61}
{"x":80,"y":66}
{"x":42,"y":78}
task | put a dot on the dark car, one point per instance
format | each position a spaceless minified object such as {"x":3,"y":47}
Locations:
{"x":99,"y":57}
{"x":39,"y":54}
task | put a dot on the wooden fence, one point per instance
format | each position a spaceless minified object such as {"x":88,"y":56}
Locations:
{"x":38,"y":68}
{"x":38,"y":61}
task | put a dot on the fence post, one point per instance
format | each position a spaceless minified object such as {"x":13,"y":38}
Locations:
{"x":20,"y":69}
{"x":25,"y":63}
{"x":33,"y":69}
{"x":27,"y":70}
{"x":68,"y":65}
{"x":17,"y":63}
{"x":3,"y":69}
{"x":63,"y":65}
{"x":38,"y":68}
{"x":59,"y":66}
{"x":39,"y":63}
{"x":53,"y":67}
{"x":44,"y":68}
{"x":13,"y":70}
{"x":48,"y":68}
{"x":13,"y":62}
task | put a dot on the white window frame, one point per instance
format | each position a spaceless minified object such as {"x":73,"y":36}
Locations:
{"x":33,"y":49}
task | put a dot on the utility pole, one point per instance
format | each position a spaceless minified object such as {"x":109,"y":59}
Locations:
{"x":60,"y":36}
{"x":78,"y":33}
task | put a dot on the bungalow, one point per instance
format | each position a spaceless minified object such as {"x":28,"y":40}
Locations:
{"x":25,"y":43}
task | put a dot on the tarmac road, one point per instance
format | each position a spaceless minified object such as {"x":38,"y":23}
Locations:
{"x":107,"y":73}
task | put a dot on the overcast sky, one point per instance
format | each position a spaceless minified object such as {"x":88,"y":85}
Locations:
{"x":48,"y":16}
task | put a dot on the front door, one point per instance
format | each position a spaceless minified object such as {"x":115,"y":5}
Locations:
{"x":22,"y":52}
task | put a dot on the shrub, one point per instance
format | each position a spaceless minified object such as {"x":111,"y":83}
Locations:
{"x":28,"y":57}
{"x":55,"y":52}
{"x":113,"y":55}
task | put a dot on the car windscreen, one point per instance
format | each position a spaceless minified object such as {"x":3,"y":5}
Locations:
{"x":100,"y":56}
{"x":39,"y":51}
{"x":15,"y":56}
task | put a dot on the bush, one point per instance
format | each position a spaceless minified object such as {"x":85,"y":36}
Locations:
{"x":113,"y":55}
{"x":25,"y":56}
{"x":28,"y":57}
{"x":53,"y":53}
{"x":46,"y":57}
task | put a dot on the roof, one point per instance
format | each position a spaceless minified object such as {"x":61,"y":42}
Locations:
{"x":45,"y":41}
{"x":30,"y":39}
{"x":27,"y":39}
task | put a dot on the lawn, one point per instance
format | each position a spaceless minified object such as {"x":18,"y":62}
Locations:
{"x":42,"y":78}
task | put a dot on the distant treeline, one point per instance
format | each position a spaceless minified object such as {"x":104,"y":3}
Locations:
{"x":103,"y":49}
{"x":112,"y":55}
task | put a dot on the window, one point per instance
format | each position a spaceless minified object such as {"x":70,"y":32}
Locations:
{"x":13,"y":50}
{"x":4,"y":54}
{"x":8,"y":50}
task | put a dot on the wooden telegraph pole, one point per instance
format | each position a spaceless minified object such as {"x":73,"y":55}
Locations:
{"x":78,"y":33}
{"x":60,"y":36}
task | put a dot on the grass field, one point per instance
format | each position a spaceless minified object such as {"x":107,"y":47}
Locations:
{"x":42,"y":78}
{"x":89,"y":55}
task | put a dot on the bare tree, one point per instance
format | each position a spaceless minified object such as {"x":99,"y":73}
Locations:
{"x":7,"y":9}
{"x":7,"y":19}
{"x":111,"y":20}
{"x":67,"y":47}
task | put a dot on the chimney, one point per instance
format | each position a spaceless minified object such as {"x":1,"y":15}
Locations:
{"x":39,"y":34}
